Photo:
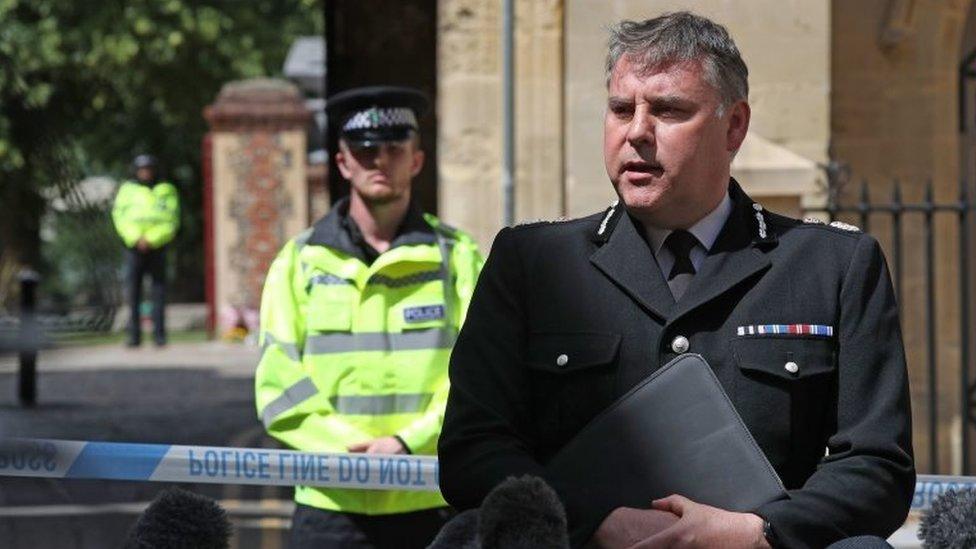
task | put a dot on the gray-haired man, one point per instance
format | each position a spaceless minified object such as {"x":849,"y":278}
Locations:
{"x":797,"y":320}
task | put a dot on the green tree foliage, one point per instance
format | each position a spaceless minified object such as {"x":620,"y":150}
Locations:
{"x":86,"y":85}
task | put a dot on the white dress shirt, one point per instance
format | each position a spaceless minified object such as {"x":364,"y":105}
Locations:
{"x":706,"y":230}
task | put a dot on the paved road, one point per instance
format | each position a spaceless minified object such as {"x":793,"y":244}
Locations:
{"x":191,"y":393}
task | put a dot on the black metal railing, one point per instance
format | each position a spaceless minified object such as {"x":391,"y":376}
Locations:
{"x":32,"y":329}
{"x":928,"y":213}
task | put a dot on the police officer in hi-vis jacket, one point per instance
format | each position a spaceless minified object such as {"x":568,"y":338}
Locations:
{"x":358,"y":317}
{"x":146,"y":215}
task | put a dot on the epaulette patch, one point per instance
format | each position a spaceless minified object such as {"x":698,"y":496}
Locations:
{"x":813,"y":221}
{"x":437,"y":224}
{"x":542,"y":221}
{"x":845,"y":226}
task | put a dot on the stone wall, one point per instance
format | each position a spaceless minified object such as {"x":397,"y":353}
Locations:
{"x":470,"y":113}
{"x":895,"y":117}
{"x":469,"y":110}
{"x":539,"y":77}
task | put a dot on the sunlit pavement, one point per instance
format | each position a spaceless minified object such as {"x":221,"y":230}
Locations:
{"x":185,"y":393}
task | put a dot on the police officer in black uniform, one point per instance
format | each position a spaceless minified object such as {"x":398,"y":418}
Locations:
{"x":797,"y":319}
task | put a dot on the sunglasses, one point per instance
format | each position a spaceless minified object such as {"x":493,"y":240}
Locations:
{"x":373,"y":148}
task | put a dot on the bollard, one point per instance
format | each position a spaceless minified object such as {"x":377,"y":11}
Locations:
{"x":27,"y":382}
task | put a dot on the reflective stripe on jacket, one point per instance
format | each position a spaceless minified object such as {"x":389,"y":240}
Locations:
{"x":354,"y":352}
{"x":150,"y":212}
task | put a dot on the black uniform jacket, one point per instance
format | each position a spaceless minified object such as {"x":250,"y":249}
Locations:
{"x":837,"y":429}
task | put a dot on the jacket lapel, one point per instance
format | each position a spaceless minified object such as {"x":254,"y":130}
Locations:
{"x":735,"y":257}
{"x":626,"y":259}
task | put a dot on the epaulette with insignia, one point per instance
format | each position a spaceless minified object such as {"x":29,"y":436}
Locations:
{"x":813,"y":221}
{"x":845,"y":226}
{"x":561,"y":219}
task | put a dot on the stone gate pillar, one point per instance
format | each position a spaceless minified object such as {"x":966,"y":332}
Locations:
{"x":255,"y":192}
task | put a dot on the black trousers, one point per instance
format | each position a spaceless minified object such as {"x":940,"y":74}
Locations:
{"x":313,"y":528}
{"x":140,"y":264}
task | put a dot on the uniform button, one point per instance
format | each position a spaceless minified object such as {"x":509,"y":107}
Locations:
{"x":791,"y":367}
{"x":562,"y":360}
{"x":680,"y":344}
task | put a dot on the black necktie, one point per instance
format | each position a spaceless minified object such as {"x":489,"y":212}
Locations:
{"x":680,"y":243}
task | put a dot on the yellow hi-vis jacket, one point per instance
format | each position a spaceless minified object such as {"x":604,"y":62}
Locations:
{"x":146,"y":211}
{"x":354,"y":352}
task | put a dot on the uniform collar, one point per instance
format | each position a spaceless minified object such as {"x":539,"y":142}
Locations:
{"x":741,"y":208}
{"x":751,"y":222}
{"x":338,"y":231}
{"x":735,"y":255}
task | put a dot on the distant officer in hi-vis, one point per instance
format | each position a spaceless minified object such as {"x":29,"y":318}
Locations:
{"x":358,"y":317}
{"x":146,"y":215}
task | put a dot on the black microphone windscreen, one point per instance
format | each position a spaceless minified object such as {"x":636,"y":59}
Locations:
{"x":178,"y":519}
{"x":461,"y":532}
{"x":951,"y":521}
{"x":523,"y":513}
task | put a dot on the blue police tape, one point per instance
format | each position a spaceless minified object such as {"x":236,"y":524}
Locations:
{"x":929,"y":487}
{"x":218,"y":465}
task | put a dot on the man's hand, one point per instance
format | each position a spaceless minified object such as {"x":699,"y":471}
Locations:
{"x":626,"y":526}
{"x":701,"y":525}
{"x":384,"y":445}
{"x":142,"y":245}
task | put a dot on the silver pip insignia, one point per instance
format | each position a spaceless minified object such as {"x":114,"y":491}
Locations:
{"x":844,"y":226}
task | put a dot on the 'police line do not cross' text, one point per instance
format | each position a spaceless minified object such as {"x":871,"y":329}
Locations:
{"x":296,"y":467}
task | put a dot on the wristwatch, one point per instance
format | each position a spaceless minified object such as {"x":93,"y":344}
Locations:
{"x":770,"y":535}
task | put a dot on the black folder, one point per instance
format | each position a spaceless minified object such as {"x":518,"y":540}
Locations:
{"x":674,"y":433}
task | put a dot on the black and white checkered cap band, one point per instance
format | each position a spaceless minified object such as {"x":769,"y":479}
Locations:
{"x":378,"y":118}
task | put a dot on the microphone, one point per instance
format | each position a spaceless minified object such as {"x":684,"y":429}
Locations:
{"x":178,"y":519}
{"x":951,"y":521}
{"x":523,"y":513}
{"x":461,"y":532}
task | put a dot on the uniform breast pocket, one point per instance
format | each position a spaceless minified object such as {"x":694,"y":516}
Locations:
{"x":785,"y":391}
{"x":328,"y":312}
{"x":787,"y":358}
{"x":575,"y":373}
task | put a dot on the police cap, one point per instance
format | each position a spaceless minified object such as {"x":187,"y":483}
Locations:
{"x":144,"y":161}
{"x":376,"y":113}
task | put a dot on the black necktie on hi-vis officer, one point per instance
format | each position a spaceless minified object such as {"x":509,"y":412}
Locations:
{"x":680,"y":243}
